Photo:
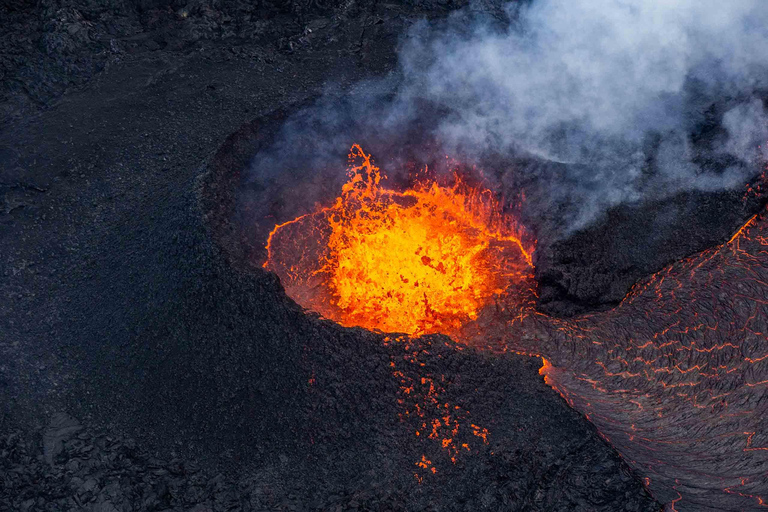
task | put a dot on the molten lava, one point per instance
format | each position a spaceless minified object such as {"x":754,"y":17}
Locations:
{"x":424,"y":260}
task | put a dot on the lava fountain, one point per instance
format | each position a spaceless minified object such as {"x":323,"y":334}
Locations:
{"x":424,"y":260}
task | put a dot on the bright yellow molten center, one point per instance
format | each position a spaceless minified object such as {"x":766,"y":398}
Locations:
{"x":420,"y":261}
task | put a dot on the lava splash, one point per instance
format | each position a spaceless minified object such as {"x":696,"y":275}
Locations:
{"x":424,"y":260}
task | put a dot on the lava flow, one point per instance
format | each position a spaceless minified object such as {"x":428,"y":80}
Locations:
{"x":675,"y":377}
{"x":425,"y":260}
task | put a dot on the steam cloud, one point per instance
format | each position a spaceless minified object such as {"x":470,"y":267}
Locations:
{"x":626,"y":99}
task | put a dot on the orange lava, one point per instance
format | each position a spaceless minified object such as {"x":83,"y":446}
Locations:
{"x":424,"y":260}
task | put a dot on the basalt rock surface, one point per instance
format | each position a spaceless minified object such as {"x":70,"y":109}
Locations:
{"x":595,"y":268}
{"x":124,"y":306}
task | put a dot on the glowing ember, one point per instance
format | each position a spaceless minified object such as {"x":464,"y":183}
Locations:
{"x":420,"y":261}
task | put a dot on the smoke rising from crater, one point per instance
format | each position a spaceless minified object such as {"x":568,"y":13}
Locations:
{"x":618,"y":100}
{"x":651,"y":96}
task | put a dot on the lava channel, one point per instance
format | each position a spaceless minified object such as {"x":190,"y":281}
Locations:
{"x":675,"y":377}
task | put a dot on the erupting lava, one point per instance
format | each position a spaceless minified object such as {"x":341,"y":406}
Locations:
{"x":424,"y":260}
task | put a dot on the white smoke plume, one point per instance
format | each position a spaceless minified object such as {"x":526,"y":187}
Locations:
{"x":619,"y":101}
{"x":604,"y":86}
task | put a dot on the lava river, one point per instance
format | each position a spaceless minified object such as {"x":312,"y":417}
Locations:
{"x":675,"y":377}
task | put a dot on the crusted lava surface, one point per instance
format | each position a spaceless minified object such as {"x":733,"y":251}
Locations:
{"x":675,"y":376}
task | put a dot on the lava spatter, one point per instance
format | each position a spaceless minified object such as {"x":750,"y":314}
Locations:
{"x":443,"y":429}
{"x":423,"y":260}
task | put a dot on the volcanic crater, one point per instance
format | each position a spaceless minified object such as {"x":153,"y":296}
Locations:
{"x":663,"y":375}
{"x":432,"y":406}
{"x":135,"y":297}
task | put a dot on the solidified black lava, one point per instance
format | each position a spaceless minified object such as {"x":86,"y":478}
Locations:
{"x":198,"y":384}
{"x":594,"y":269}
{"x":199,"y":356}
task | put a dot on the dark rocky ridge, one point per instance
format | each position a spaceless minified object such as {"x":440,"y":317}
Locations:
{"x":594,"y":269}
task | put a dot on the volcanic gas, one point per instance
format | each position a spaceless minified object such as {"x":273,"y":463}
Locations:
{"x":426,"y":259}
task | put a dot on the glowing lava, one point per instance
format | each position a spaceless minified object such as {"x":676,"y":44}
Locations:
{"x":424,"y":260}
